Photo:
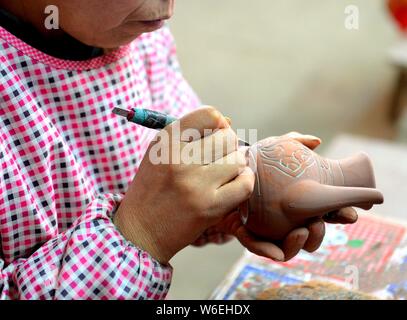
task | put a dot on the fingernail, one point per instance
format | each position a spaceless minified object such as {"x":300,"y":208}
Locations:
{"x":300,"y":239}
{"x":278,"y":260}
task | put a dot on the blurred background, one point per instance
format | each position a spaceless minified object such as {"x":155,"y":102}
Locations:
{"x":279,"y":66}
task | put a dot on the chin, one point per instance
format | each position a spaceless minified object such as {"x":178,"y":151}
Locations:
{"x":123,"y":36}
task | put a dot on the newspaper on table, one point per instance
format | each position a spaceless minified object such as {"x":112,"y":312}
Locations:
{"x":370,"y":256}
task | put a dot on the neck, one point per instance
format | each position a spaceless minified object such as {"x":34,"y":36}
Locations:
{"x":31,"y":12}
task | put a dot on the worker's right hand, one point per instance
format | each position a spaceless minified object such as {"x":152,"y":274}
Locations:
{"x":169,"y":205}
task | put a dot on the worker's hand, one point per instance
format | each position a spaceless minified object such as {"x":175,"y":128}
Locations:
{"x":307,"y":238}
{"x":169,"y":205}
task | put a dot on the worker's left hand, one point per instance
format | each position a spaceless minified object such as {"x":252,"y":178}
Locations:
{"x":307,"y":237}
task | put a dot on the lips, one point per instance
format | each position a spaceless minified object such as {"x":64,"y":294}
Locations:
{"x":153,"y":23}
{"x":159,"y":18}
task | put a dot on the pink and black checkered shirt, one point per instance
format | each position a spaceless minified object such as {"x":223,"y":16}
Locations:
{"x":66,"y":162}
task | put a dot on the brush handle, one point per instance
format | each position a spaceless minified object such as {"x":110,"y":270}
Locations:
{"x":157,"y":120}
{"x":150,"y":119}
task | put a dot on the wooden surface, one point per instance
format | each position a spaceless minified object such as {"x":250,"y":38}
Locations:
{"x":390,"y":165}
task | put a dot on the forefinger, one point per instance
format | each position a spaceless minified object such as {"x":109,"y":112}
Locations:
{"x":203,"y":121}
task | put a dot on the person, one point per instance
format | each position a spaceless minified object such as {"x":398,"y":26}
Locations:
{"x":84,"y":212}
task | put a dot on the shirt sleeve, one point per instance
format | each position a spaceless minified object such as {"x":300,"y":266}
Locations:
{"x":90,"y":260}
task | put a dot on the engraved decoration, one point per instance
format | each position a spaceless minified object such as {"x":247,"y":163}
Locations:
{"x":288,"y":156}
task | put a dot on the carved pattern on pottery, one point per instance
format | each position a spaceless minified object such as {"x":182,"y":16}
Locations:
{"x":289,"y":157}
{"x":325,"y":171}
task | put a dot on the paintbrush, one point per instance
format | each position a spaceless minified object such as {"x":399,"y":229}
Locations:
{"x":152,"y":119}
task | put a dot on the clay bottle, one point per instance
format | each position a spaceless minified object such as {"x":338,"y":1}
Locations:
{"x":294,"y":185}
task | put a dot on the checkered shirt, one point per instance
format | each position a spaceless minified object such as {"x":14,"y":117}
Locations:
{"x":66,"y":162}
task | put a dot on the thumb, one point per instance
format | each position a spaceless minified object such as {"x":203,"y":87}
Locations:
{"x":307,"y":140}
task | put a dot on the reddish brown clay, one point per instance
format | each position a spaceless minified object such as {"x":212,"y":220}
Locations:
{"x":294,"y":185}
